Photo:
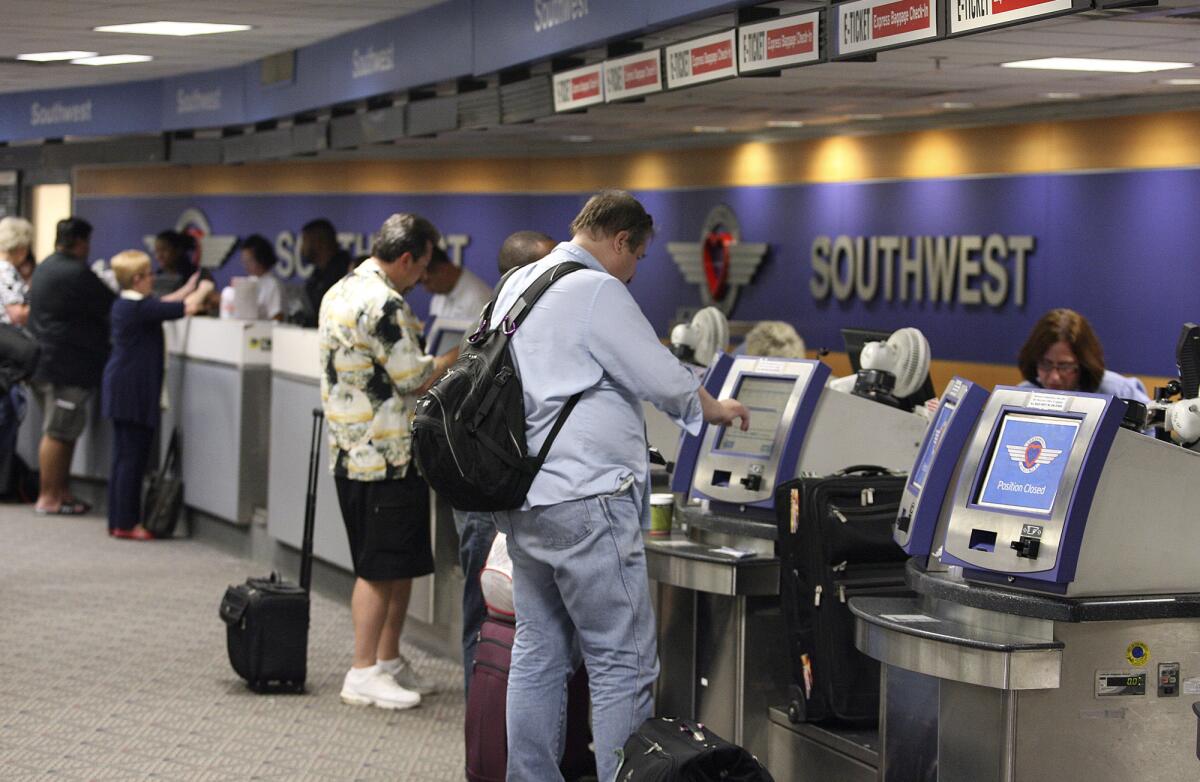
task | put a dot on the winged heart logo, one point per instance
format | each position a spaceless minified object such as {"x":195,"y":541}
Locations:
{"x":720,"y":263}
{"x":1032,"y":454}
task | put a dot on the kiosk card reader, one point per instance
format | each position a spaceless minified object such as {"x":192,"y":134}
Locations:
{"x":920,"y":524}
{"x":446,"y":334}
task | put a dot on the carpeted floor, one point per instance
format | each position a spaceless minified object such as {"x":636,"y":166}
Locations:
{"x":113,"y":666}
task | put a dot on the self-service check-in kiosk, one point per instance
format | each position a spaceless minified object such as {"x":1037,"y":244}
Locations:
{"x":921,"y":523}
{"x":718,"y":596}
{"x":445,"y":334}
{"x":1063,"y":641}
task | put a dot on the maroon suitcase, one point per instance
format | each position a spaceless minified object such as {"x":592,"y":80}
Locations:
{"x":486,"y":731}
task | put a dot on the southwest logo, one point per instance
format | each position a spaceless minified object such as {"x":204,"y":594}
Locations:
{"x":1032,"y":454}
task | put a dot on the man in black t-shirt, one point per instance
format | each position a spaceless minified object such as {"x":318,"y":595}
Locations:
{"x":68,"y":314}
{"x":319,"y":247}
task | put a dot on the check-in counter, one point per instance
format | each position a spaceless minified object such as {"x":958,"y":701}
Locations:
{"x":295,"y":389}
{"x":218,"y":385}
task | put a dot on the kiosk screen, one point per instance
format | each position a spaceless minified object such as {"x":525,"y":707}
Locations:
{"x":446,"y":341}
{"x":1027,"y":465}
{"x":766,"y":398}
{"x":931,"y":445}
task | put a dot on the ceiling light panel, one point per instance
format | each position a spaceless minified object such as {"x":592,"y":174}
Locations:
{"x":54,"y":56}
{"x":172,"y":28}
{"x":113,"y":59}
{"x":1096,"y":65}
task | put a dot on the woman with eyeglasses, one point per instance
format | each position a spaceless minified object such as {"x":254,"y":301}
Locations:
{"x":1063,"y":353}
{"x":16,"y":267}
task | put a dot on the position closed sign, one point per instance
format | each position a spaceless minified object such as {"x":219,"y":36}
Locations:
{"x":778,"y":43}
{"x":868,"y":25}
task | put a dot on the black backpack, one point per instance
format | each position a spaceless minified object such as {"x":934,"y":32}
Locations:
{"x":468,"y":433}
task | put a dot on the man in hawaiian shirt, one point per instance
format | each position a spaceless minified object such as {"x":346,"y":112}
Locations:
{"x":372,"y":368}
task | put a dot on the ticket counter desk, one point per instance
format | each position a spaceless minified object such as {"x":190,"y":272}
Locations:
{"x":218,"y":385}
{"x":1062,"y":634}
{"x":721,"y":631}
{"x":295,"y":391}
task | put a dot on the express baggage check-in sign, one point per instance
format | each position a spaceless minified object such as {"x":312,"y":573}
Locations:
{"x":779,"y":43}
{"x":632,"y":76}
{"x":870,"y":25}
{"x":701,"y":60}
{"x":972,"y":15}
{"x":579,"y":88}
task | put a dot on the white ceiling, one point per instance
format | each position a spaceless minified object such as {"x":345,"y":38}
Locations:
{"x":907,"y":86}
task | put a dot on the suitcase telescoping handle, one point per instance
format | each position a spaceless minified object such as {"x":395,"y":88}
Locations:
{"x":865,"y":469}
{"x":310,"y":501}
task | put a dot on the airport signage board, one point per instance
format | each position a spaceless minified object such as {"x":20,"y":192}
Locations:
{"x":579,"y":88}
{"x":702,"y":60}
{"x":204,"y":99}
{"x":973,"y":15}
{"x":867,"y":26}
{"x":629,"y":77}
{"x":81,"y":111}
{"x":779,"y":43}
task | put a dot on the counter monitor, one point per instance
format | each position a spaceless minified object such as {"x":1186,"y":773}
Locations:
{"x":445,"y":335}
{"x":930,"y":446}
{"x":1027,"y":463}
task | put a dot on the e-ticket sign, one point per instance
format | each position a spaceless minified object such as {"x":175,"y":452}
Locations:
{"x":779,"y":43}
{"x":1027,"y":465}
{"x":579,"y":88}
{"x":629,"y":77}
{"x":970,"y":15}
{"x":701,"y":60}
{"x":869,"y":25}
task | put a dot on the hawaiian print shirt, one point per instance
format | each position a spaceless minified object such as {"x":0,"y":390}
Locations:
{"x":13,"y":289}
{"x":371,"y":363}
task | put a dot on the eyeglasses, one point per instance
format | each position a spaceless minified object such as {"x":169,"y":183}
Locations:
{"x":1062,"y":367}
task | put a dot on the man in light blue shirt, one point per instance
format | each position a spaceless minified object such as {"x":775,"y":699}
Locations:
{"x":579,"y":569}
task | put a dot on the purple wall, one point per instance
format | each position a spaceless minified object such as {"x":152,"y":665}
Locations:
{"x":1101,"y":248}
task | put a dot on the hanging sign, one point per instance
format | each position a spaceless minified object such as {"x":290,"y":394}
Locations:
{"x":971,"y":15}
{"x":702,"y":60}
{"x":779,"y":43}
{"x":870,"y":25}
{"x":629,"y":77}
{"x":579,"y":88}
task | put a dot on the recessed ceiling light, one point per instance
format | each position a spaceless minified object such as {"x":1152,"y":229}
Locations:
{"x":865,"y":117}
{"x":112,"y":59}
{"x":784,"y":123}
{"x":1095,"y":64}
{"x":172,"y":28}
{"x":54,"y":56}
{"x":578,"y":139}
{"x":953,"y":104}
{"x":709,"y":129}
{"x":1060,"y":95}
{"x":1182,"y":82}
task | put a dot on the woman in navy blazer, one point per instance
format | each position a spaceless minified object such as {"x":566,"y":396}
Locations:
{"x":132,"y":385}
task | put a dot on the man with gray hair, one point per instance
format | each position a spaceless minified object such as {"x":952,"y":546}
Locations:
{"x":579,"y":568}
{"x":372,"y":368}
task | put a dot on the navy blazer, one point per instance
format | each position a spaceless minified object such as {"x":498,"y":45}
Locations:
{"x":133,"y":376}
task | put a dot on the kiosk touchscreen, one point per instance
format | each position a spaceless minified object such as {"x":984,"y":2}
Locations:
{"x":446,"y":334}
{"x":743,"y":467}
{"x":921,"y":520}
{"x":1055,"y":496}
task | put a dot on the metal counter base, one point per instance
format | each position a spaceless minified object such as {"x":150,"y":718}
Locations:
{"x":719,"y":626}
{"x":810,"y":752}
{"x":994,"y":696}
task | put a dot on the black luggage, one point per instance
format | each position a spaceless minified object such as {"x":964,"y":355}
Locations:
{"x":468,"y":430}
{"x":164,"y":496}
{"x":835,"y":542}
{"x":267,"y":618}
{"x":668,"y":750}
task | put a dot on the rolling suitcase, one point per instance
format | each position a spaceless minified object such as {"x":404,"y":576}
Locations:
{"x":486,"y":734}
{"x":266,"y":619}
{"x":670,"y":750}
{"x":835,"y":542}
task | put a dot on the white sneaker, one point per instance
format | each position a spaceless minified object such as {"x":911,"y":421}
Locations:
{"x":406,"y":676}
{"x":373,"y":687}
